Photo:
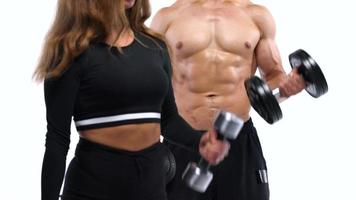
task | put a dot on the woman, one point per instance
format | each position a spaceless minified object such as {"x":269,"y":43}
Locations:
{"x":101,"y":65}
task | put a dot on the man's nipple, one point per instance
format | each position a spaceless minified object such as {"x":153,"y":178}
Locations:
{"x":179,"y":45}
{"x":248,"y":45}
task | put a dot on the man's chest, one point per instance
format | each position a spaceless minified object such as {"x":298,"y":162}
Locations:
{"x":228,"y":29}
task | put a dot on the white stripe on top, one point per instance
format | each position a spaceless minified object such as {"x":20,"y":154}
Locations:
{"x":117,"y":118}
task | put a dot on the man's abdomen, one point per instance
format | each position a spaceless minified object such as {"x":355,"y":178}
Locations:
{"x":200,"y":109}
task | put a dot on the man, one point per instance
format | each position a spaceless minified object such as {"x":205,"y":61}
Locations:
{"x":215,"y":46}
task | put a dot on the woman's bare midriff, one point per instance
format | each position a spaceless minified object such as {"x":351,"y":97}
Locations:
{"x":132,"y":137}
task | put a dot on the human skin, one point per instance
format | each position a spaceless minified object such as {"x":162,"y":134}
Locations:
{"x":215,"y":45}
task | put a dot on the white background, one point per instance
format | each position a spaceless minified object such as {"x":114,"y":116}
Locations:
{"x":310,"y":152}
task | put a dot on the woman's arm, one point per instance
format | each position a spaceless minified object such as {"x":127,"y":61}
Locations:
{"x":60,"y":94}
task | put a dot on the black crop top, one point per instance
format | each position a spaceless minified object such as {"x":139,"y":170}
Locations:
{"x":103,"y":88}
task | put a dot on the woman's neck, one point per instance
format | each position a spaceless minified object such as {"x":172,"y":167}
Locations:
{"x":126,"y":37}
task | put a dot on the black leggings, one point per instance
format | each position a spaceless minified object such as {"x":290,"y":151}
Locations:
{"x":241,"y":176}
{"x":98,"y":172}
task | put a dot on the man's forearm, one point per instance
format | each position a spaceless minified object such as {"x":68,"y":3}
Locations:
{"x":274,"y":78}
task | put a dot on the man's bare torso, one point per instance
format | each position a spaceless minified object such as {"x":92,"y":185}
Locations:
{"x":212,"y":46}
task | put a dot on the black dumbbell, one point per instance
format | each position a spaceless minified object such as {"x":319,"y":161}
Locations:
{"x":266,"y":102}
{"x":198,"y":176}
{"x":169,"y":165}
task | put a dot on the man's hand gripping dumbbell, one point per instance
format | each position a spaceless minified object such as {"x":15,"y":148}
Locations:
{"x":198,"y":176}
{"x":306,"y":75}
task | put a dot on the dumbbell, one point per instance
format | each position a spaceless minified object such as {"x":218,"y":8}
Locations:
{"x":266,"y":102}
{"x":197,"y":176}
{"x":170,"y":165}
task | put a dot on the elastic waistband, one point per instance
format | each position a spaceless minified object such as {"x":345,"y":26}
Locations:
{"x":85,"y":144}
{"x":247,"y":125}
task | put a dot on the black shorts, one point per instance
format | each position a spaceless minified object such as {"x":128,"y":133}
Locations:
{"x":241,"y":176}
{"x":98,"y":172}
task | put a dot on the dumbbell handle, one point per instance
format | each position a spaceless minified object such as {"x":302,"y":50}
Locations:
{"x":203,"y":165}
{"x":276,"y":92}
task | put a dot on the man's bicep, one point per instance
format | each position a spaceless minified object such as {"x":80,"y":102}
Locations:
{"x":267,"y":55}
{"x":269,"y":61}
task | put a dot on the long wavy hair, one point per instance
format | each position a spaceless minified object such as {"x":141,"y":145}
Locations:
{"x":77,"y":23}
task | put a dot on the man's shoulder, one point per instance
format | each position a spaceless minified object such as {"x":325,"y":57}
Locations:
{"x":262,"y":17}
{"x":258,"y":10}
{"x":166,"y":15}
{"x":172,"y":10}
